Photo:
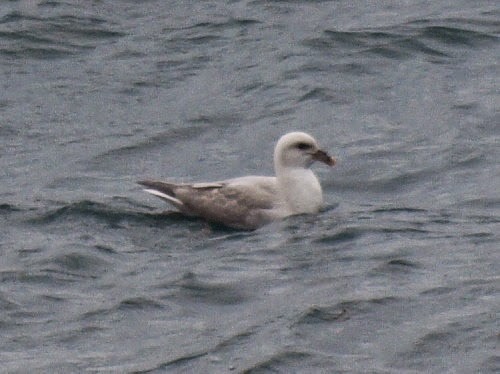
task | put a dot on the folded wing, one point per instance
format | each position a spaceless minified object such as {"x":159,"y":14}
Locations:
{"x":244,"y":203}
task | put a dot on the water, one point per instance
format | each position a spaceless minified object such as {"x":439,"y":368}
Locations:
{"x":399,"y":273}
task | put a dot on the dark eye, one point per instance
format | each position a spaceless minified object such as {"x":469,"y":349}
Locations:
{"x":304,"y":146}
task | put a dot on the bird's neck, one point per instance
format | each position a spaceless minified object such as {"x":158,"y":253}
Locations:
{"x":300,"y":189}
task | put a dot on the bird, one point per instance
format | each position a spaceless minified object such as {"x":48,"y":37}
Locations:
{"x":250,"y":202}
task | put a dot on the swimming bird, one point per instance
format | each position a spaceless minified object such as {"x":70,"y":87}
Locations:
{"x":252,"y":201}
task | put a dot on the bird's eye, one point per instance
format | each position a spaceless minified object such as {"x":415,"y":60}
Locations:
{"x":304,"y":146}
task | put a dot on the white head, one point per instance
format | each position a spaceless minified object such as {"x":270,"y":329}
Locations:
{"x":299,"y":150}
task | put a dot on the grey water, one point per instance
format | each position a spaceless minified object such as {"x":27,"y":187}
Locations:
{"x":398,"y":274}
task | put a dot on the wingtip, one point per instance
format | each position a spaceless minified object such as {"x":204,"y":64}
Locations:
{"x":163,"y":196}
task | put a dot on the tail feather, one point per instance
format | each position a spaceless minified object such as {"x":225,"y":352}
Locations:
{"x":165,"y":191}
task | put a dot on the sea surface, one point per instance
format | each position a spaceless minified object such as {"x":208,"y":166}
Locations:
{"x":400,"y":273}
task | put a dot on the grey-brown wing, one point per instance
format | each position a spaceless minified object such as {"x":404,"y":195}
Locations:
{"x":239,"y":206}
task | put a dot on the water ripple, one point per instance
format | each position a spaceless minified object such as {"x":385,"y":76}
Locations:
{"x":28,"y":37}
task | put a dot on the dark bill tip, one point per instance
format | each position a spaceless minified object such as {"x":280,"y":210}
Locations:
{"x":322,"y":156}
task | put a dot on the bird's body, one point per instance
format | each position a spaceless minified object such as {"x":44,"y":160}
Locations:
{"x":252,"y":201}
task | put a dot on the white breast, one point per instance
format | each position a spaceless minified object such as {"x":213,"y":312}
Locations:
{"x":301,"y":191}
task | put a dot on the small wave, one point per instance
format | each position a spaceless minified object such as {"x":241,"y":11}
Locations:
{"x":342,"y":311}
{"x":281,"y":362}
{"x":139,"y":303}
{"x":52,"y":37}
{"x":34,"y":277}
{"x":345,"y":234}
{"x":324,"y":94}
{"x":349,"y":234}
{"x":172,"y":364}
{"x":78,"y":262}
{"x":318,"y":314}
{"x":5,"y":303}
{"x":394,"y":266}
{"x":190,"y":286}
{"x":392,"y":210}
{"x":432,"y":38}
{"x":112,"y":215}
{"x":8,"y":208}
{"x":161,"y":140}
{"x":229,"y":23}
{"x":481,"y":203}
{"x":458,"y":36}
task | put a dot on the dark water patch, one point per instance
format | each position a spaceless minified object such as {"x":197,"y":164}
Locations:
{"x":480,"y":24}
{"x":8,"y":208}
{"x":133,"y":304}
{"x":5,"y":303}
{"x":115,"y":217}
{"x":491,"y":364}
{"x":396,"y":43}
{"x":53,"y":37}
{"x":229,"y":23}
{"x":235,"y":340}
{"x":78,"y":334}
{"x":395,"y":210}
{"x":105,"y":249}
{"x":139,"y":303}
{"x":29,"y":252}
{"x":400,"y":42}
{"x":175,"y":364}
{"x":200,"y":40}
{"x":401,"y":263}
{"x":191,"y":287}
{"x":222,"y":120}
{"x":429,"y":349}
{"x":401,"y":181}
{"x":350,"y":234}
{"x":438,"y":291}
{"x":432,"y":342}
{"x":357,"y":38}
{"x":481,"y":237}
{"x":343,"y":311}
{"x":128,"y":54}
{"x":468,"y":331}
{"x":20,"y":36}
{"x":46,"y":53}
{"x":181,"y":44}
{"x":389,"y":52}
{"x":83,"y":27}
{"x":76,"y":265}
{"x":324,"y":94}
{"x":395,"y":266}
{"x":99,"y":314}
{"x":342,"y":41}
{"x":15,"y":16}
{"x":415,"y":45}
{"x":53,"y":298}
{"x":179,"y":68}
{"x":161,"y":140}
{"x":395,"y":182}
{"x":36,"y":277}
{"x":363,"y":306}
{"x":466,"y":159}
{"x":280,"y":362}
{"x":345,"y":234}
{"x":478,"y":288}
{"x":319,"y":314}
{"x":482,"y":203}
{"x":458,"y":36}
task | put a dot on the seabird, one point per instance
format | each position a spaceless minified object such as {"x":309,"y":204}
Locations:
{"x":252,"y":201}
